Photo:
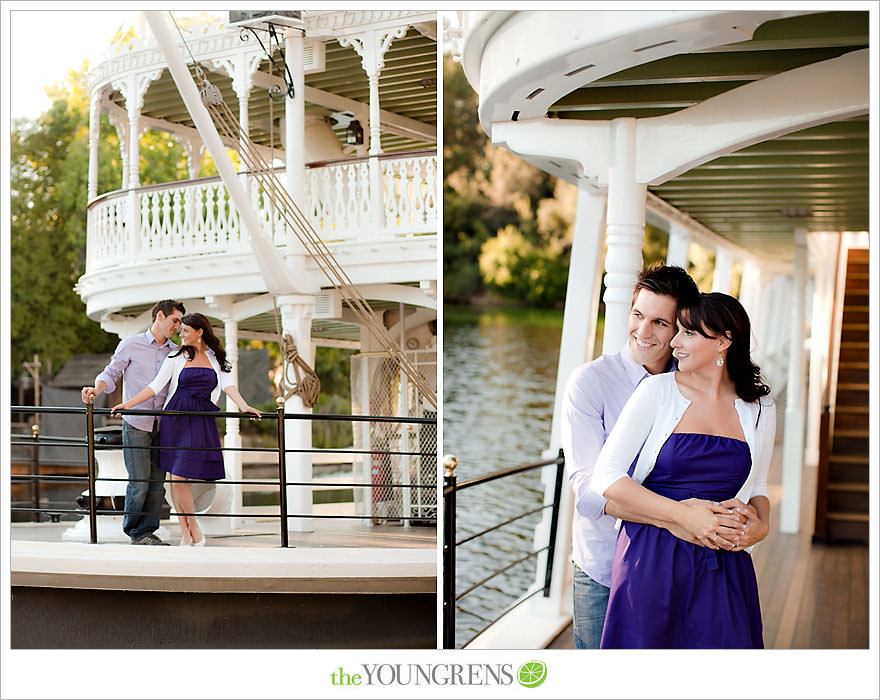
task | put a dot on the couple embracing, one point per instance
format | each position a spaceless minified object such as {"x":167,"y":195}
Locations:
{"x":668,"y":444}
{"x":197,"y":372}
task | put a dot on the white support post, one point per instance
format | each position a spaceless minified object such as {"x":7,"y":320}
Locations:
{"x":723,"y":268}
{"x":625,"y":229}
{"x":793,"y":447}
{"x":581,"y":296}
{"x":132,"y":106}
{"x":232,"y":439}
{"x":94,"y":138}
{"x":763,"y":301}
{"x":822,"y":249}
{"x":678,"y":251}
{"x":294,"y":141}
{"x":577,"y":345}
{"x":194,"y":148}
{"x":403,"y":410}
{"x":120,"y":124}
{"x":748,"y":291}
{"x":295,"y":119}
{"x":371,"y":47}
{"x":296,"y":320}
{"x":780,"y":337}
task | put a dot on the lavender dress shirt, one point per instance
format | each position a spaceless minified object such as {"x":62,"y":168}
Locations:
{"x":595,"y":395}
{"x":138,"y":358}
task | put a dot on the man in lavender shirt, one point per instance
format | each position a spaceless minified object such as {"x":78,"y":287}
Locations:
{"x":137,"y":359}
{"x":594,"y":397}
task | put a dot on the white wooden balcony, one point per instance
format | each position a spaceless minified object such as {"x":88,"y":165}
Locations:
{"x":193,"y":218}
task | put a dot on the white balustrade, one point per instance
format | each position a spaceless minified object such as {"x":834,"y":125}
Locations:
{"x":410,"y":195}
{"x":197,"y":218}
{"x":107,"y":240}
{"x":338,"y":199}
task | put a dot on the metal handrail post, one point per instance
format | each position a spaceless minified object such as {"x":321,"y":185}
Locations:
{"x":282,"y":472}
{"x":449,"y":491}
{"x":554,"y":523}
{"x":35,"y":470}
{"x":90,"y":451}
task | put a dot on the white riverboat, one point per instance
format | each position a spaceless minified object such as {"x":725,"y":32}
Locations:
{"x":334,"y":239}
{"x":743,"y":132}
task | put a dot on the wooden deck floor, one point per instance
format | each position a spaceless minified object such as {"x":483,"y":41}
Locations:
{"x":813,"y":596}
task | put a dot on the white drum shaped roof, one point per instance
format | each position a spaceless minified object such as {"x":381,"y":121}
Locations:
{"x":604,"y":65}
{"x":407,"y":82}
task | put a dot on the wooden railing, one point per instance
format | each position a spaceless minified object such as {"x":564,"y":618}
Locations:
{"x":349,"y":200}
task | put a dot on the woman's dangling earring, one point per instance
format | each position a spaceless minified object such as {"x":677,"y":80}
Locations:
{"x":720,"y":361}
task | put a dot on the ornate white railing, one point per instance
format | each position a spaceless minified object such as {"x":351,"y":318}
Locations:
{"x":196,"y":217}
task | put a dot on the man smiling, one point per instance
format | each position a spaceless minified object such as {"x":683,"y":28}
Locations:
{"x":137,"y":359}
{"x":594,"y":397}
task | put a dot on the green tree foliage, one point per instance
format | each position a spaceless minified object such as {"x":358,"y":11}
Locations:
{"x":48,"y":197}
{"x":506,"y":224}
{"x":48,"y":191}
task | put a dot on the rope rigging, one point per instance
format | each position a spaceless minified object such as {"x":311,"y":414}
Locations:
{"x":301,"y":227}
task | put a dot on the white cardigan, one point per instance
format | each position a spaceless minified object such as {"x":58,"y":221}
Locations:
{"x":650,"y":417}
{"x":173,"y":366}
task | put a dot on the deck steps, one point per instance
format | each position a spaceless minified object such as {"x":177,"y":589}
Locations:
{"x":842,"y":492}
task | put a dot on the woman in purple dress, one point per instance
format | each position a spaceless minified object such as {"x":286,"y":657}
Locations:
{"x":198,"y":372}
{"x":707,"y":432}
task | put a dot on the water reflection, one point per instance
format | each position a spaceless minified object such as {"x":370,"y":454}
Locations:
{"x":499,"y":376}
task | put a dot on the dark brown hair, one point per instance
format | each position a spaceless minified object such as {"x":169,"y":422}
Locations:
{"x":667,"y":280}
{"x":167,"y":307}
{"x":716,"y":314}
{"x":198,"y":321}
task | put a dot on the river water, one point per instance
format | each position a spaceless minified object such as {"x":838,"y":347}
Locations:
{"x":499,"y":378}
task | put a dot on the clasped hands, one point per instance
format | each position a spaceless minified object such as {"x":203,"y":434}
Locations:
{"x":731,"y":524}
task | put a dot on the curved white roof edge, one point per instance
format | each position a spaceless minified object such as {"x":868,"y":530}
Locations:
{"x":521,"y":62}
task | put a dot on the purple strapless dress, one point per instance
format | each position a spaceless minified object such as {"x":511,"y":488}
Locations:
{"x":194,"y":387}
{"x":670,"y":594}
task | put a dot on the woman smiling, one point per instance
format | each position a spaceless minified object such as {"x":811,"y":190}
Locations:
{"x":705,"y":431}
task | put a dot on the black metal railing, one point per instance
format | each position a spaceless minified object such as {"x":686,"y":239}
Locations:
{"x":451,"y":487}
{"x":91,"y":444}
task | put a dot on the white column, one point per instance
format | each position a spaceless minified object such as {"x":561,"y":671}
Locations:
{"x":578,"y":340}
{"x":120,"y":124}
{"x":625,"y":230}
{"x":133,"y":90}
{"x":780,"y":336}
{"x":374,"y":143}
{"x":294,"y":143}
{"x":403,"y":410}
{"x":823,"y":250}
{"x":94,"y":138}
{"x":723,"y":267}
{"x":793,"y":447}
{"x":748,"y":292}
{"x":195,"y":149}
{"x":371,"y":47}
{"x":133,"y":108}
{"x":295,"y":119}
{"x":296,"y":319}
{"x":581,"y":295}
{"x":679,"y":247}
{"x":232,"y":459}
{"x":764,"y":303}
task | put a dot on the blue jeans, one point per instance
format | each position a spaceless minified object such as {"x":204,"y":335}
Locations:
{"x":590,"y":602}
{"x":143,"y":501}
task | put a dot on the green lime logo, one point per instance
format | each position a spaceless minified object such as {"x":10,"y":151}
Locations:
{"x":531,"y":674}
